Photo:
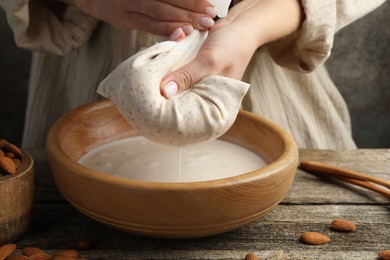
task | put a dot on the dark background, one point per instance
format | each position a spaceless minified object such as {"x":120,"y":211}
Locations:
{"x":359,"y":66}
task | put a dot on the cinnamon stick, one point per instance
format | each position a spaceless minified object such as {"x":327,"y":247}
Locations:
{"x":349,"y":176}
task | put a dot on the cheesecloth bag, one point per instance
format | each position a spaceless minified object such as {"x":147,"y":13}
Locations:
{"x":199,"y":114}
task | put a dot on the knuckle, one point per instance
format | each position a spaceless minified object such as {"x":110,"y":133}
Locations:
{"x":187,"y":78}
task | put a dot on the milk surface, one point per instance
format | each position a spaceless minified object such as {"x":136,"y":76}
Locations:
{"x":140,"y":159}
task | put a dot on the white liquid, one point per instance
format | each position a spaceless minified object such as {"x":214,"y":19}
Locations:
{"x":140,"y":159}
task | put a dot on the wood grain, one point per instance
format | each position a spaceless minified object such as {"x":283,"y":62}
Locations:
{"x":311,"y":205}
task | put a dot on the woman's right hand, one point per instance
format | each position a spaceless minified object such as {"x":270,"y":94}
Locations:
{"x":160,"y":17}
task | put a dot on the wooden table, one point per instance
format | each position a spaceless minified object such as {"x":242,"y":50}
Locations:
{"x":311,"y":205}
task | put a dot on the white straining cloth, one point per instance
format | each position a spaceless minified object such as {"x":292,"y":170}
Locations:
{"x":202,"y":113}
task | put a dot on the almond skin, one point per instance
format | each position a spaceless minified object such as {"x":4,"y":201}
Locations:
{"x":85,"y":244}
{"x":62,"y":257}
{"x":251,"y":256}
{"x":343,"y":225}
{"x":314,"y":238}
{"x":43,"y":256}
{"x":6,"y":250}
{"x":68,"y":253}
{"x":7,"y":165}
{"x":14,"y":149}
{"x":17,"y":162}
{"x":29,"y":251}
{"x":385,"y":254}
{"x":3,"y":143}
{"x":18,"y":257}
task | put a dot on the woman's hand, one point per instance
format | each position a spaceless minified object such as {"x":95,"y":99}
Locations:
{"x":160,"y":17}
{"x":234,"y":39}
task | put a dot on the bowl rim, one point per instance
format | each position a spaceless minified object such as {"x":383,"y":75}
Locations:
{"x":288,"y":157}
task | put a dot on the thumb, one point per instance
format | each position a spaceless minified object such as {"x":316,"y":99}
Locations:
{"x":183,"y":78}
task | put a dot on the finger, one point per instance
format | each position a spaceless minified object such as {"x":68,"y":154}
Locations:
{"x":163,"y":28}
{"x":186,"y":76}
{"x":164,"y":12}
{"x":198,"y":6}
{"x":177,"y":35}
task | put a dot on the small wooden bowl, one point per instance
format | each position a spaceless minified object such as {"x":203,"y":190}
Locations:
{"x":168,"y":210}
{"x":16,"y":201}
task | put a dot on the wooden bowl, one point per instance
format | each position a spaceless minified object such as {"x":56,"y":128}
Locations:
{"x":168,"y":210}
{"x":16,"y":201}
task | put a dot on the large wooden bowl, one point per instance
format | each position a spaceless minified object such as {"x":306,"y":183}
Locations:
{"x":168,"y":210}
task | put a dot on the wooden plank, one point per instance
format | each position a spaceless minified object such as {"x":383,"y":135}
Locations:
{"x":225,"y":254}
{"x":306,"y":189}
{"x":56,"y":227}
{"x":310,"y":189}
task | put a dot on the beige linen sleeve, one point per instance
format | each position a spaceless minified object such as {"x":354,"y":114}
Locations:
{"x":40,"y":27}
{"x":312,"y":44}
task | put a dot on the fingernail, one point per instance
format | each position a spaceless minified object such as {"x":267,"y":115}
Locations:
{"x":206,"y":21}
{"x":170,"y":89}
{"x":211,"y":11}
{"x":188,"y":29}
{"x":176,"y":34}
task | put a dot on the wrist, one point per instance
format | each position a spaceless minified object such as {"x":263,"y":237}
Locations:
{"x":267,"y":20}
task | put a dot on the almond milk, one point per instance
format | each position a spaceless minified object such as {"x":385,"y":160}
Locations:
{"x":140,"y":159}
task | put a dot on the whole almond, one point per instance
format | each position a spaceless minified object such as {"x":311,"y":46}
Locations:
{"x":343,"y":225}
{"x":85,"y":244}
{"x":14,"y":149}
{"x":251,"y":256}
{"x":385,"y":254}
{"x":17,"y":162}
{"x":314,"y":238}
{"x":6,"y":250}
{"x":2,"y":154}
{"x":3,"y":143}
{"x":18,"y":257}
{"x":62,"y":257}
{"x":69,"y":253}
{"x":9,"y":155}
{"x":43,"y":256}
{"x":29,"y":251}
{"x":7,"y":165}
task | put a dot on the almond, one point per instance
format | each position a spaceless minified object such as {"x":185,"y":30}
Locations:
{"x":251,"y":256}
{"x":62,"y":257}
{"x":17,"y":162}
{"x":9,"y":155}
{"x":85,"y":244}
{"x":3,"y":143}
{"x":6,"y":250}
{"x":385,"y":254}
{"x":343,"y":225}
{"x":7,"y":165}
{"x":29,"y":251}
{"x":2,"y":154}
{"x":69,"y":253}
{"x":43,"y":256}
{"x":314,"y":238}
{"x":18,"y":257}
{"x":14,"y":149}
